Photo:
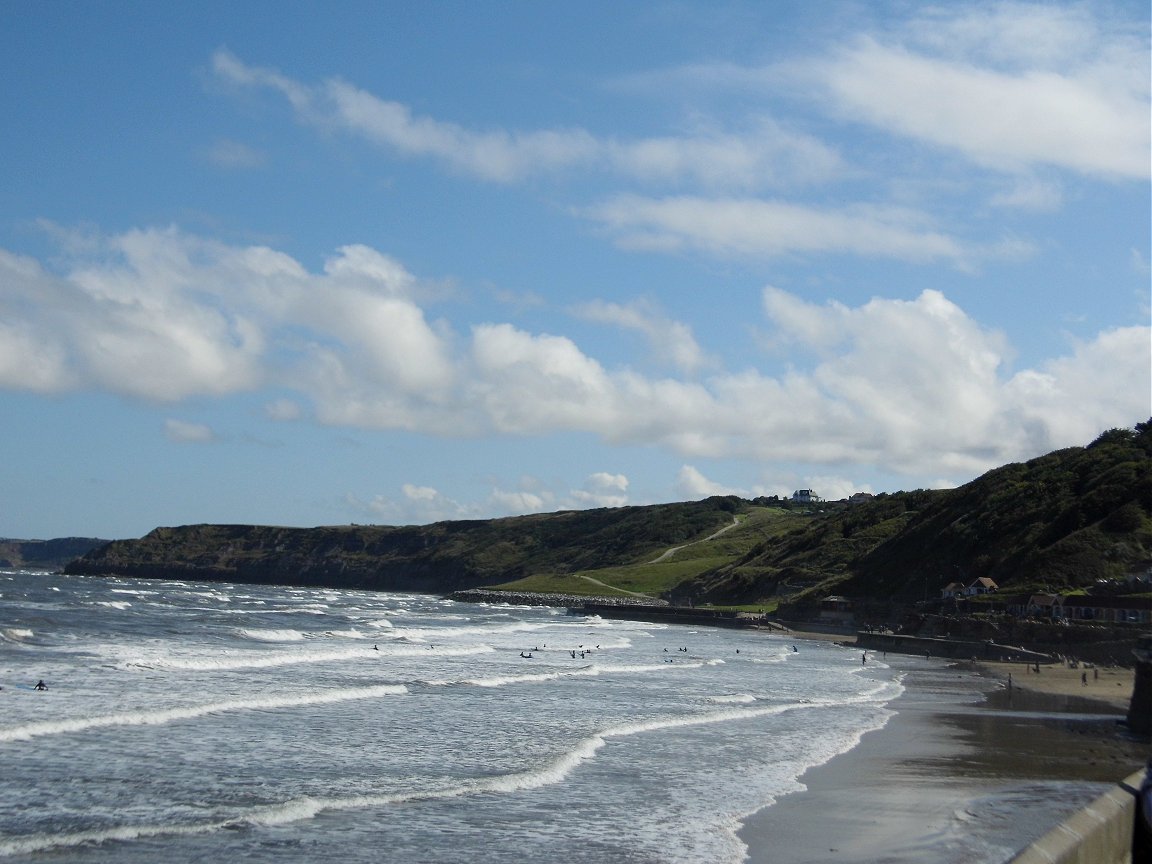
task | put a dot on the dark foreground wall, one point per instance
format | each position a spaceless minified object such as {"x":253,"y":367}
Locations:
{"x":1107,"y":831}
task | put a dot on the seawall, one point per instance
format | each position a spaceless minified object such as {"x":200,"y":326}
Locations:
{"x":958,"y":649}
{"x":532,"y":598}
{"x":1101,"y":833}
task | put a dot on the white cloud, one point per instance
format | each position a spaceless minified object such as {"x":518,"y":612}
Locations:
{"x":526,"y":383}
{"x":1008,"y":86}
{"x":905,"y":385}
{"x":419,"y":493}
{"x":283,"y":410}
{"x":1029,"y":193}
{"x":831,"y":487}
{"x":425,"y":504}
{"x":516,"y":502}
{"x":1068,"y":398}
{"x":691,"y":484}
{"x":762,"y":229}
{"x":765,"y":154}
{"x":670,"y":341}
{"x":602,"y":490}
{"x":183,"y":432}
{"x":234,"y":154}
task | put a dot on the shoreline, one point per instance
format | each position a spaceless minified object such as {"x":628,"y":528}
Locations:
{"x":964,"y":770}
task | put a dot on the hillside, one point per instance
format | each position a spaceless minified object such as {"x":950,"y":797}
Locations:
{"x":445,"y":556}
{"x":44,"y":554}
{"x":1064,"y":520}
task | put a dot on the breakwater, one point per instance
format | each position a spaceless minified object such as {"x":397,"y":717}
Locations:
{"x":675,"y":614}
{"x":533,"y":598}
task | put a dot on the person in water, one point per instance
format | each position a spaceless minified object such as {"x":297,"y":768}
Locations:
{"x":40,"y":685}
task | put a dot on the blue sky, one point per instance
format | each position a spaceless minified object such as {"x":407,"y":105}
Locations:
{"x":302,"y":263}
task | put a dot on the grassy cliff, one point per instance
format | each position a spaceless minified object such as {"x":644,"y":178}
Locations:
{"x":440,"y":557}
{"x":1065,"y":520}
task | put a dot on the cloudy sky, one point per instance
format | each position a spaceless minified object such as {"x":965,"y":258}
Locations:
{"x":303,"y":264}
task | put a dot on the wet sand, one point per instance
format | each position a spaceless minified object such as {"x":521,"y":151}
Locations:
{"x":964,"y":772}
{"x":1107,"y":684}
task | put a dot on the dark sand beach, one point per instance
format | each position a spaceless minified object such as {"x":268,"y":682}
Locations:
{"x":966,"y":771}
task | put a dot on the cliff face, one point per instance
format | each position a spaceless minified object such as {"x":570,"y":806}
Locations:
{"x":45,"y":554}
{"x":446,"y":556}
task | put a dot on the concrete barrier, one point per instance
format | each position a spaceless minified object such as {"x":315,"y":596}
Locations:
{"x":1101,"y":833}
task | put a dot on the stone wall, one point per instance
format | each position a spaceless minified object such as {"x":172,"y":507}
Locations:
{"x":1101,"y":833}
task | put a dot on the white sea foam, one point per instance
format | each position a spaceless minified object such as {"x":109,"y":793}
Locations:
{"x":346,"y":634}
{"x":114,"y":604}
{"x":733,"y":698}
{"x":510,"y":725}
{"x":15,"y":634}
{"x":308,"y":807}
{"x":231,"y":661}
{"x":190,"y":712}
{"x":270,"y":635}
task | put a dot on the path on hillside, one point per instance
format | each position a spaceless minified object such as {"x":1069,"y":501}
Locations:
{"x":614,"y":588}
{"x":664,"y":556}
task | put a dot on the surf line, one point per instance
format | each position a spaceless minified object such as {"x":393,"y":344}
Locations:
{"x":190,"y":712}
{"x":299,"y":809}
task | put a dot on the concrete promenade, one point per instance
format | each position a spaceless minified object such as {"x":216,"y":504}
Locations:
{"x":1101,"y":833}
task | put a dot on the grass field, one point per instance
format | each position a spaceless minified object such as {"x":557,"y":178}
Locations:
{"x":661,"y":574}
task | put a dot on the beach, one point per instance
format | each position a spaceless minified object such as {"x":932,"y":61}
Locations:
{"x":966,"y":769}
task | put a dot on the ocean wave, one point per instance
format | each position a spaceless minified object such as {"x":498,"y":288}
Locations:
{"x":191,"y":712}
{"x":260,"y":660}
{"x":270,"y":635}
{"x":15,"y":634}
{"x":551,"y":772}
{"x":556,"y":674}
{"x":345,"y":634}
{"x":733,"y":699}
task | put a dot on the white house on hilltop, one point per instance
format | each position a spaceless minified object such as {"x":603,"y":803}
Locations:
{"x":805,"y":496}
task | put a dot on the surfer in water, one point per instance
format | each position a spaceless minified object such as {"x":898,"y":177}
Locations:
{"x":40,"y":685}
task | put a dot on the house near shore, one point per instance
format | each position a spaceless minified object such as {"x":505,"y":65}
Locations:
{"x":952,"y":591}
{"x":1049,"y":606}
{"x":1084,"y":609}
{"x":836,"y":610}
{"x":1108,"y":610}
{"x":983,"y":585}
{"x":806,"y":496}
{"x":860,"y":497}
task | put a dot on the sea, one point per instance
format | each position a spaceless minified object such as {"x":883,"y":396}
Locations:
{"x":192,"y":722}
